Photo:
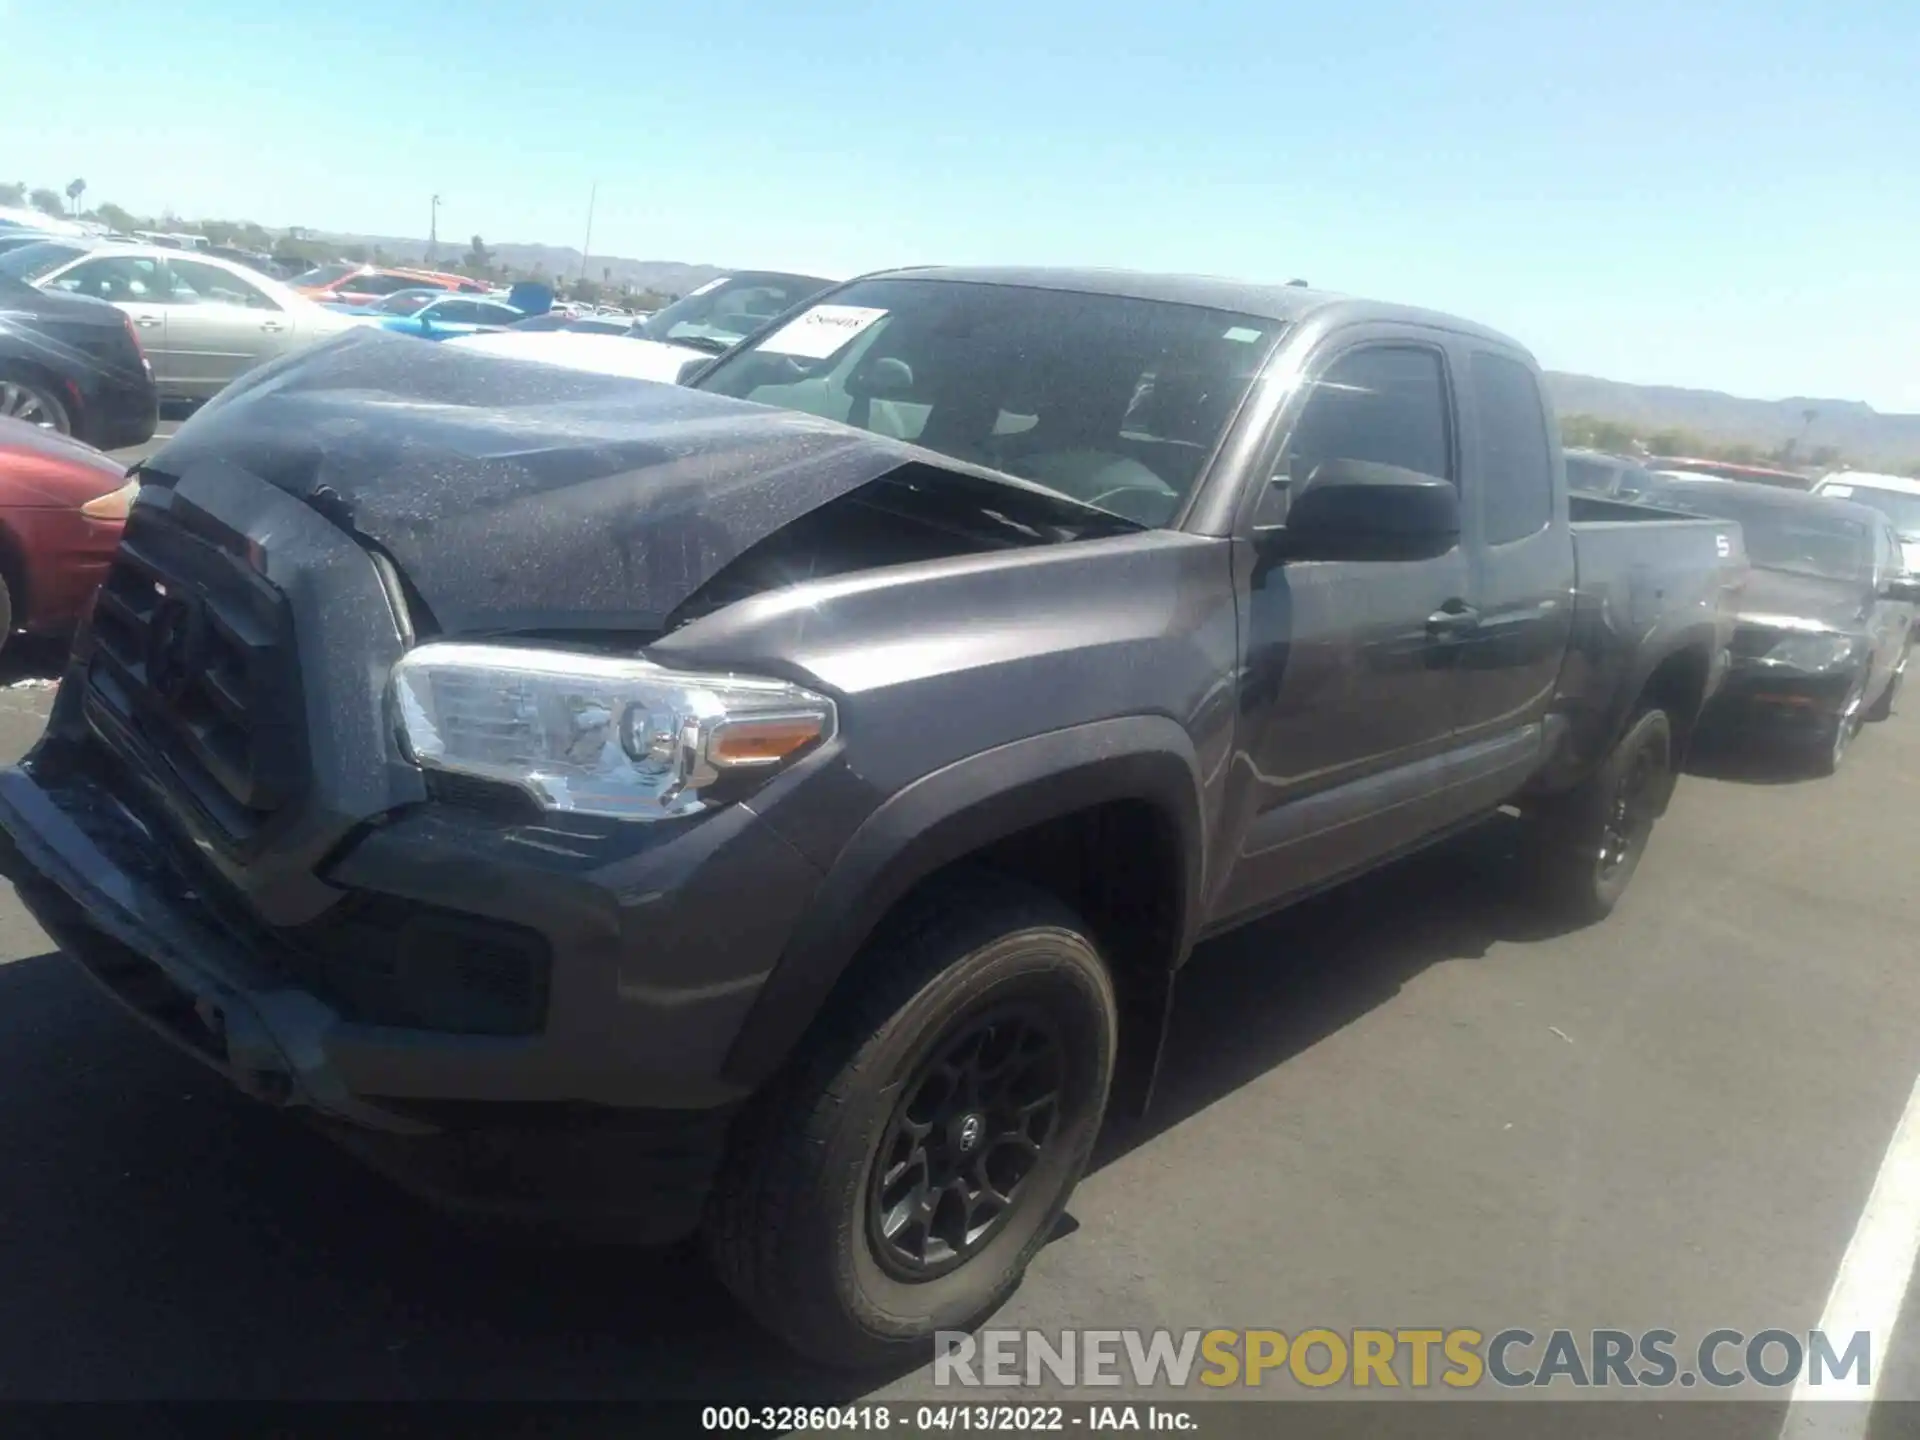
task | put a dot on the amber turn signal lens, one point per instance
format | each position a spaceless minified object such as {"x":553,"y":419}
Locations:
{"x":763,"y":741}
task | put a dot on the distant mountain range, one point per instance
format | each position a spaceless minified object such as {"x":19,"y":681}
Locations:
{"x":1859,"y":431}
{"x":663,"y":277}
{"x":1856,"y":429}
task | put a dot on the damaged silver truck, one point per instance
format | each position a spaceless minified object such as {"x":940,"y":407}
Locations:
{"x":779,"y":808}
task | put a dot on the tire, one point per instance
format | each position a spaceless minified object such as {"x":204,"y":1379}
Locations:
{"x":796,"y":1226}
{"x":1592,"y":838}
{"x":1837,"y":737}
{"x":6,"y":613}
{"x":1882,"y":709}
{"x":29,"y":398}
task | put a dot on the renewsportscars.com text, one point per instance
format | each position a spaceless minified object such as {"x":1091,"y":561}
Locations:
{"x":1459,"y":1359}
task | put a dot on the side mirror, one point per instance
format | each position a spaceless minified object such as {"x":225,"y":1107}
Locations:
{"x":426,"y":324}
{"x":1902,"y":587}
{"x":693,"y":369}
{"x":1357,"y":510}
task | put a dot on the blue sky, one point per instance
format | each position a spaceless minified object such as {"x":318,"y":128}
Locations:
{"x":1690,"y":193}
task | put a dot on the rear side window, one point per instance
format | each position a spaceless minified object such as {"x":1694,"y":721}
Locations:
{"x":1590,"y":477}
{"x":1385,"y":404}
{"x":1516,"y":463}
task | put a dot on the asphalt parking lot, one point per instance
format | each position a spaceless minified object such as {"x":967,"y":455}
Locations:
{"x":1406,"y":1103}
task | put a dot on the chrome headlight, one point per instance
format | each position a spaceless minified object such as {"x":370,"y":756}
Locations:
{"x":1811,"y":652}
{"x":600,"y":735}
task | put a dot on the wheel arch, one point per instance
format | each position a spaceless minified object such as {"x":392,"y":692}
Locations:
{"x":1106,"y":815}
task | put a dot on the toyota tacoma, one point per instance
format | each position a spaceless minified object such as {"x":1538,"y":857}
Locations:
{"x":779,"y":808}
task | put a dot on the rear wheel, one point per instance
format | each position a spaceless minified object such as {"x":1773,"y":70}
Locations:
{"x":32,"y":401}
{"x":897,"y":1179}
{"x":1592,"y":838}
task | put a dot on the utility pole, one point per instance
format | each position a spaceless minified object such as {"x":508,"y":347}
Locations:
{"x":433,"y":230}
{"x":587,"y":244}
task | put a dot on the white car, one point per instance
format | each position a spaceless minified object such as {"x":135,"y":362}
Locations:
{"x":1895,"y":496}
{"x":201,"y":320}
{"x":672,"y":341}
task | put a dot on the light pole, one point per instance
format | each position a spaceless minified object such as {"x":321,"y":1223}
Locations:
{"x":433,"y":230}
{"x":587,"y":244}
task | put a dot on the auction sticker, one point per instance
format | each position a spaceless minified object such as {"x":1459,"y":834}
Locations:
{"x":821,"y":332}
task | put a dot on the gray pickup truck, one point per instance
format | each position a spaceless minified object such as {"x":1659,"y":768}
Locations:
{"x":780,"y":807}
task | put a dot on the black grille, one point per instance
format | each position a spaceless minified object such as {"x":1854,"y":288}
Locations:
{"x":192,"y":675}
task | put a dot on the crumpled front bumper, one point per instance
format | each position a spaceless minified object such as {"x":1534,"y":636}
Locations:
{"x":92,"y":877}
{"x":181,"y":974}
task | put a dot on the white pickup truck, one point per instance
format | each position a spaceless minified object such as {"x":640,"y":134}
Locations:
{"x":672,"y":341}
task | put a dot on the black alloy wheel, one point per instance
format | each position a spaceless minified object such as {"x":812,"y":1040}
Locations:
{"x":971,"y":1125}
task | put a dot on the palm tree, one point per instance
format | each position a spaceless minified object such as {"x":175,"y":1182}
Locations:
{"x":75,"y":189}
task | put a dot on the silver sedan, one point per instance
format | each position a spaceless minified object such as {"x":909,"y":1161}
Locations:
{"x":202,"y":320}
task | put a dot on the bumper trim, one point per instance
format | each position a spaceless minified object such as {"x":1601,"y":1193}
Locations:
{"x":188,"y":982}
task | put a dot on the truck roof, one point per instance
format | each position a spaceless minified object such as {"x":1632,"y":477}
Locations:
{"x":1289,"y":303}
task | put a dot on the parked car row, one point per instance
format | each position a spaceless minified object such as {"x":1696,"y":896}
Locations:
{"x":670,"y":343}
{"x":1829,"y":611}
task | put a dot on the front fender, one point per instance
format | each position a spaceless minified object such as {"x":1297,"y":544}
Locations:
{"x":958,"y":811}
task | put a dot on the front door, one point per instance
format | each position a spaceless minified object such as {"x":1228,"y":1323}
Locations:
{"x":1347,"y":698}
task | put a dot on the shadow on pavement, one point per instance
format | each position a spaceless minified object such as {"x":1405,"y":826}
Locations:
{"x":1746,"y":760}
{"x":1251,"y":1000}
{"x":163,"y":1237}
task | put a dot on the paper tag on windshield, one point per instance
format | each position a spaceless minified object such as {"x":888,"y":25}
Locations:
{"x":710,"y":285}
{"x":820,"y":332}
{"x":1840,"y":490}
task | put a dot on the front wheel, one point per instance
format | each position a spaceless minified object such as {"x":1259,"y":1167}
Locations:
{"x":1592,"y":838}
{"x":896,"y":1180}
{"x":1882,"y":709}
{"x":1836,"y":738}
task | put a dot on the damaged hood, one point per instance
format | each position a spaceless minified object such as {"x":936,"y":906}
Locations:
{"x":526,"y":497}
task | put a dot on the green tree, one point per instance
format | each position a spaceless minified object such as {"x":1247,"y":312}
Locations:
{"x":48,"y":202}
{"x":479,"y":259}
{"x":586,"y":289}
{"x":1590,"y":432}
{"x":75,"y":189}
{"x":117,"y":218}
{"x":1671,"y":440}
{"x":13,"y":193}
{"x":356,"y":253}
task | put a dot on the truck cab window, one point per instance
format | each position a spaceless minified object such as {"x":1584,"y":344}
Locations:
{"x":1516,"y":464}
{"x":1386,"y":404}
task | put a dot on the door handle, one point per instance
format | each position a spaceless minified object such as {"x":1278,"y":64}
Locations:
{"x":273,"y":326}
{"x":146,"y":322}
{"x":1452,"y":619}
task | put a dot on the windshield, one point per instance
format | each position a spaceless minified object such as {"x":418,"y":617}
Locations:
{"x":1112,"y":401}
{"x":1899,"y":506}
{"x":323,"y":274}
{"x":722,"y":313}
{"x":1800,"y":539}
{"x":30,"y":262}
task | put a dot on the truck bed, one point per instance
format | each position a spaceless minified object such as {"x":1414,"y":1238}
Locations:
{"x":1646,"y":580}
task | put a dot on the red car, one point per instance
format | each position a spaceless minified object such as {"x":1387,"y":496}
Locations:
{"x":344,"y":284}
{"x":62,"y":507}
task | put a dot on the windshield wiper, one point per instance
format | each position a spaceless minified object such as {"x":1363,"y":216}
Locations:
{"x":702,"y":342}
